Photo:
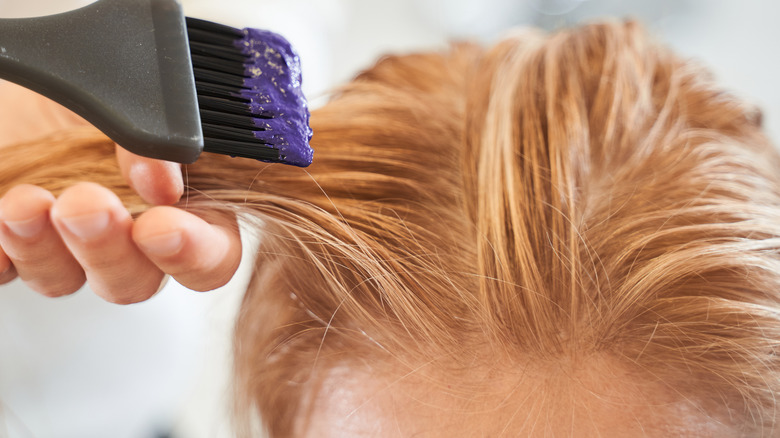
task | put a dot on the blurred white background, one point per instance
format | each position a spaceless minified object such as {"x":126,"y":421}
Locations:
{"x":78,"y":367}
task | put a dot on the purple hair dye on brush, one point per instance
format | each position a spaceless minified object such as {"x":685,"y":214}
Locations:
{"x":273,"y":89}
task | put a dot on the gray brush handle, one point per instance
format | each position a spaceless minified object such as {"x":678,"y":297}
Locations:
{"x":123,"y":65}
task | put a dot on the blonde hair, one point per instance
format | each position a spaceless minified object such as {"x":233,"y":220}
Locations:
{"x":551,"y":198}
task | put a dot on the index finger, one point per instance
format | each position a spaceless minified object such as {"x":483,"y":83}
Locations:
{"x":199,"y":255}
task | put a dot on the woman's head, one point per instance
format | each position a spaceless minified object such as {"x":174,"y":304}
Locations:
{"x":575,"y":232}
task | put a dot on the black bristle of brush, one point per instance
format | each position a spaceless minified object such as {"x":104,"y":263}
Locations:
{"x":226,"y":117}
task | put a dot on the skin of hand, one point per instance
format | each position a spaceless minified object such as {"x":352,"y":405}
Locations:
{"x":56,"y":244}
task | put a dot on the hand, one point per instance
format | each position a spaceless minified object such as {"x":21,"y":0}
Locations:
{"x":54,"y":245}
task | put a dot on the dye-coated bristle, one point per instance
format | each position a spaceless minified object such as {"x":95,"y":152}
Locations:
{"x":226,"y":117}
{"x":238,"y":117}
{"x":219,"y":69}
{"x":249,"y":96}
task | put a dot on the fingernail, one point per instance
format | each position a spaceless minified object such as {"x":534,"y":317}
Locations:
{"x":163,"y":245}
{"x":138,"y":174}
{"x":27,"y":228}
{"x":157,"y":186}
{"x":86,"y":226}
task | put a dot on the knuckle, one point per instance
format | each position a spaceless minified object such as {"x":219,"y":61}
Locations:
{"x":26,"y":255}
{"x":124,"y":294}
{"x":56,"y":290}
{"x":102,"y":262}
{"x":209,"y":282}
{"x":122,"y":300}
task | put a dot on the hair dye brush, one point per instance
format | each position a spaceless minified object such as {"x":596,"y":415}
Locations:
{"x":162,"y":85}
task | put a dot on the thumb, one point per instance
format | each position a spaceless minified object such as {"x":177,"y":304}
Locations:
{"x":157,"y":182}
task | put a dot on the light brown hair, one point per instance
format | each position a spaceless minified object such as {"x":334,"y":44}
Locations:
{"x":549,"y":200}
